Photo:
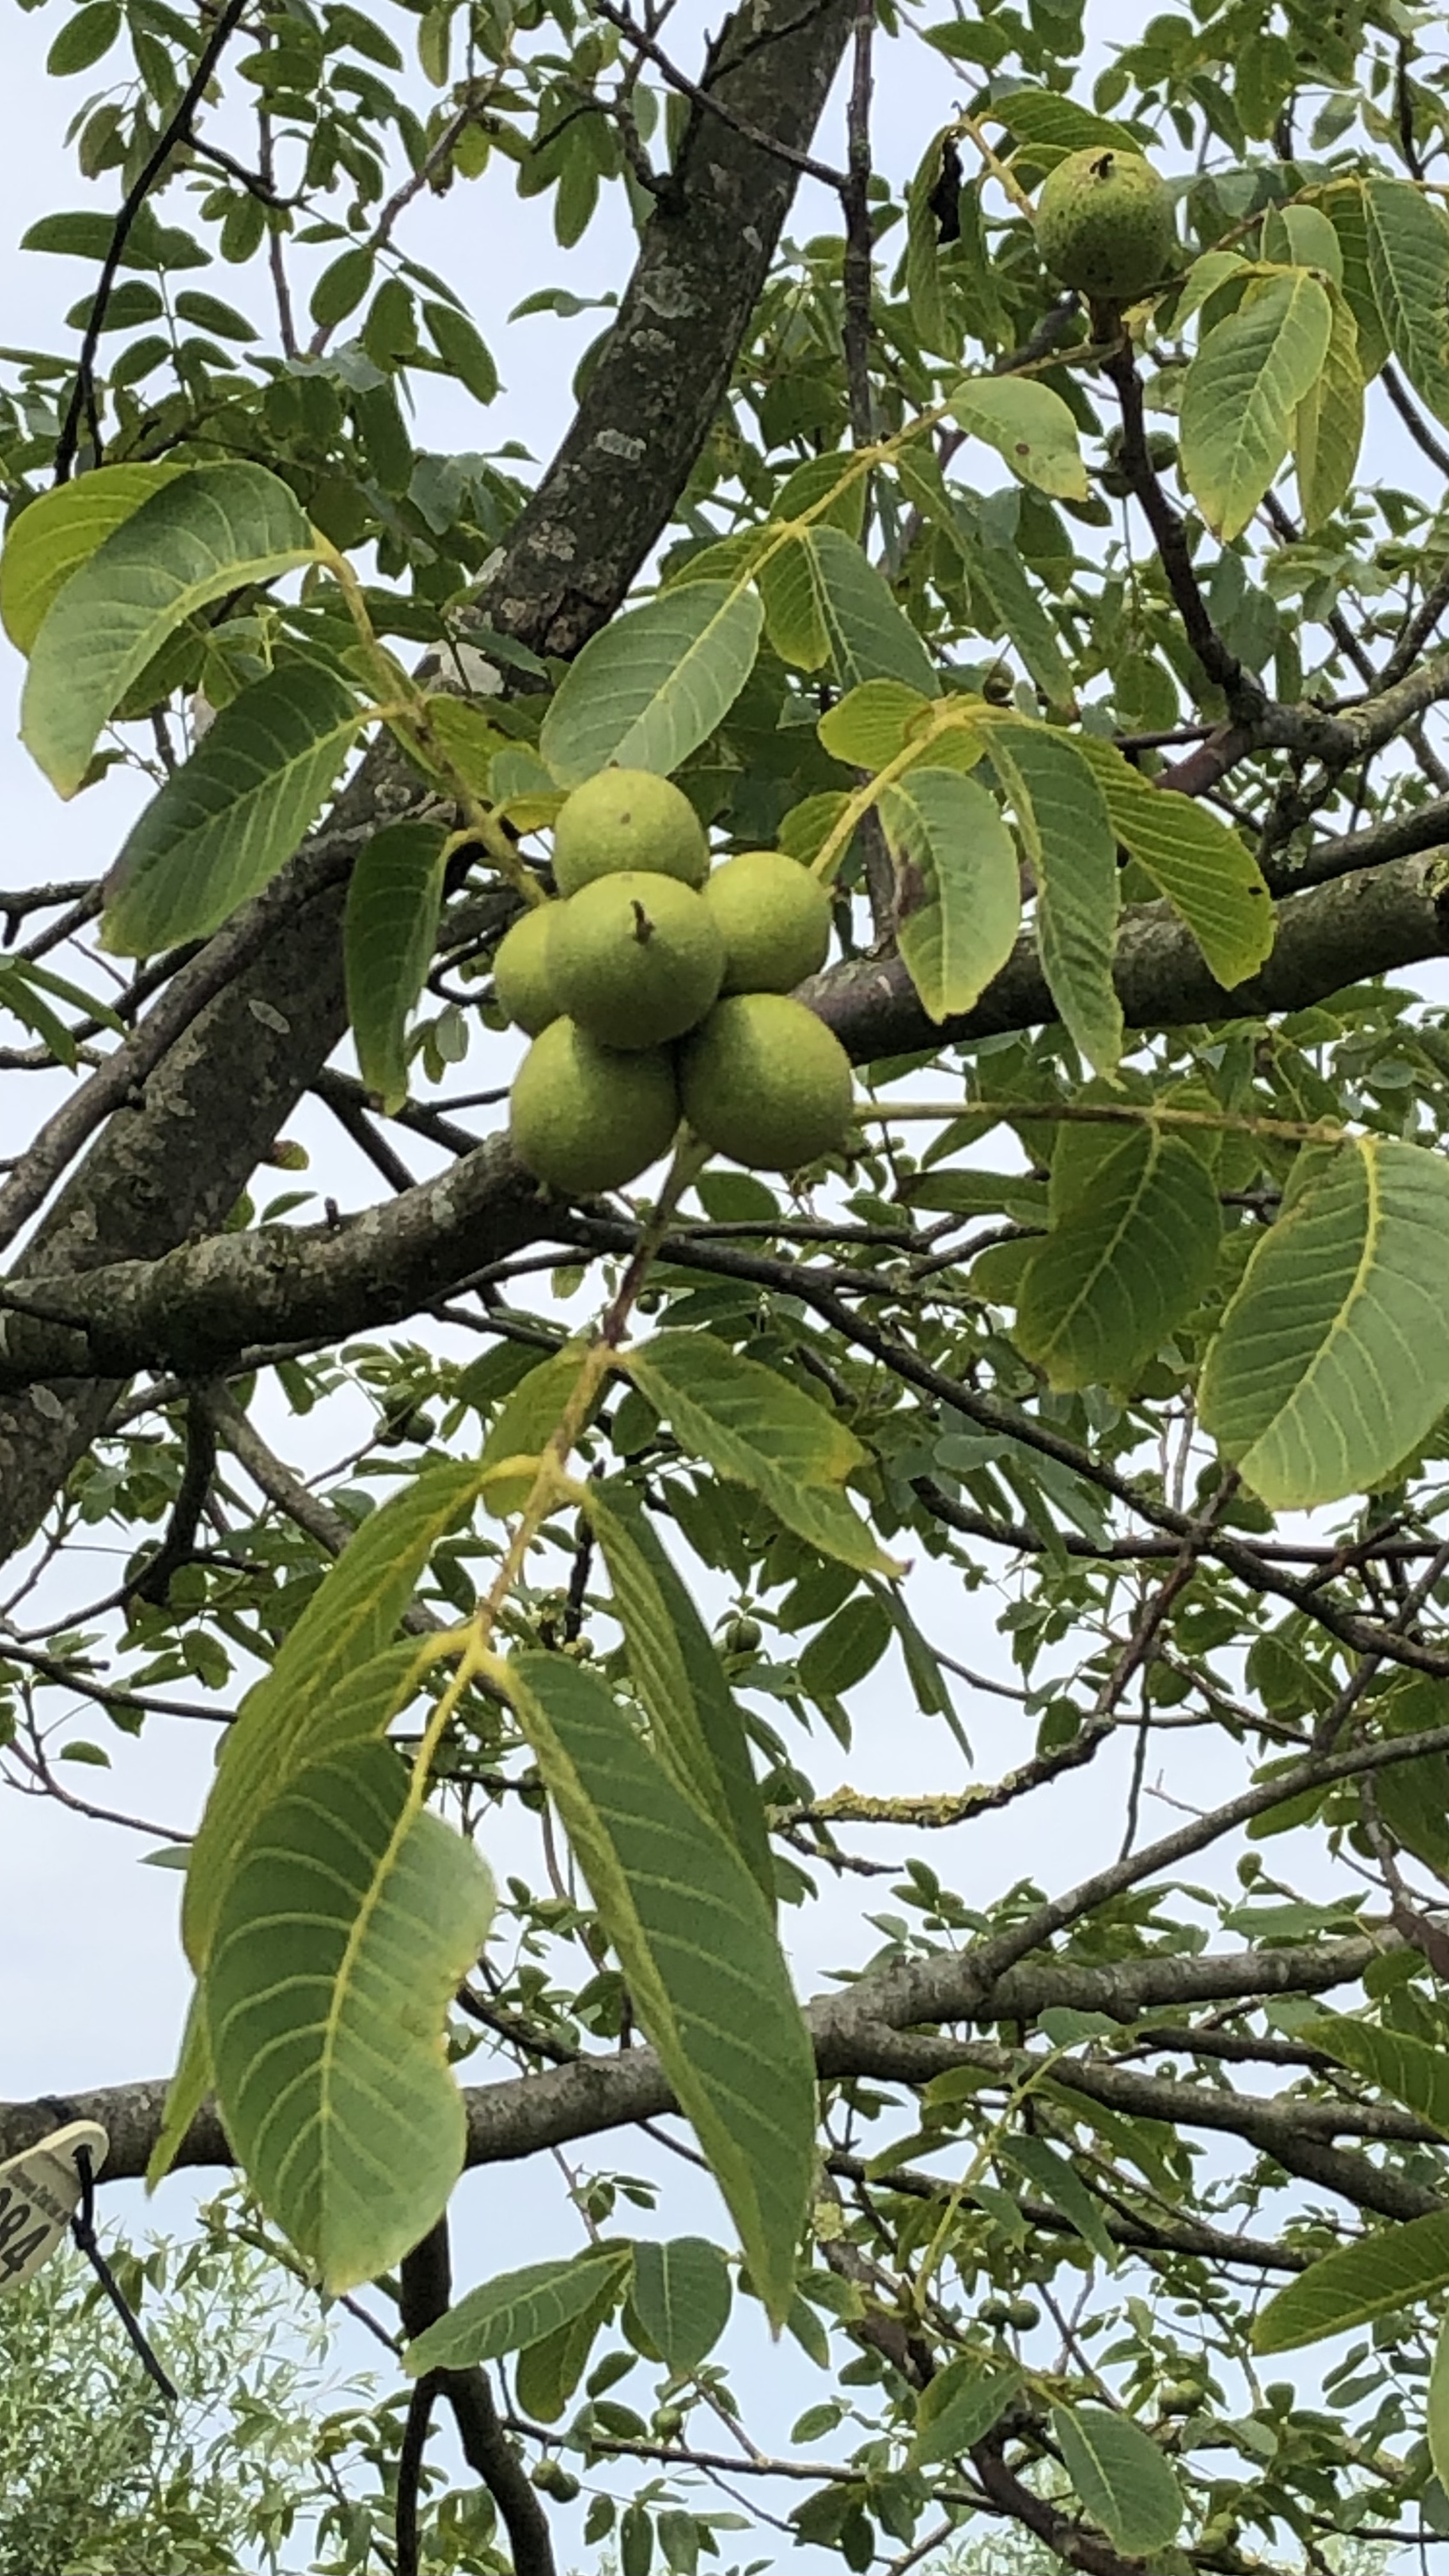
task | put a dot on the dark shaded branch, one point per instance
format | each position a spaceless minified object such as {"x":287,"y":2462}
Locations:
{"x":427,"y":2287}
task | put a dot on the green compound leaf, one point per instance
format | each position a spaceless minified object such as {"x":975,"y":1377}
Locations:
{"x":213,"y":530}
{"x":1408,"y":2070}
{"x":223,"y":825}
{"x":1328,"y":424}
{"x":1126,"y":1259}
{"x":393,"y":900}
{"x":958,"y":886}
{"x":1241,"y":392}
{"x":698,"y":1730}
{"x":1208,"y":874}
{"x":754,"y":1427}
{"x":1332,"y":1359}
{"x":346,"y":1926}
{"x":337,"y":1680}
{"x":1030,"y":426}
{"x":653,"y":685}
{"x":698,"y":1950}
{"x":682,"y":2298}
{"x":959,"y":2407}
{"x":1119,"y":2474}
{"x":1408,"y":266}
{"x":824,"y":600}
{"x":518,"y":2309}
{"x":1390,"y":2269}
{"x":1062,"y":816}
{"x":59,"y":532}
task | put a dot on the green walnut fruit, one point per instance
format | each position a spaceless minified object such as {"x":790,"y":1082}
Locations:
{"x":995,"y":2313}
{"x":1104,"y":224}
{"x":582,"y":1118}
{"x":767,"y":1083}
{"x":520,"y":971}
{"x":1025,"y":2314}
{"x":1179,"y":2397}
{"x":627,"y":818}
{"x":774,"y":918}
{"x":635,"y":959}
{"x":742,"y":1637}
{"x":553,"y":2479}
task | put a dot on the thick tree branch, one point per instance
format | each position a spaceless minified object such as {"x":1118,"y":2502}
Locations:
{"x":525,"y":2115}
{"x":198,"y":1306}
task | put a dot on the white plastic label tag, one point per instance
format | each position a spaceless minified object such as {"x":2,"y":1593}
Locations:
{"x":39,"y":2191}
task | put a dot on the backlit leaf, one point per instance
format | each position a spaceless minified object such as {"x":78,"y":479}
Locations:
{"x":698,"y":1949}
{"x":1408,"y":265}
{"x":652,"y":686}
{"x":1119,"y":2474}
{"x":1389,"y":2269}
{"x":1241,"y":392}
{"x":682,"y":2297}
{"x":1062,"y":816}
{"x":517,"y":2309}
{"x":1125,"y":1261}
{"x":1332,"y":1359}
{"x":1030,"y":426}
{"x":225,"y":822}
{"x":393,"y":899}
{"x":212,"y":530}
{"x":958,"y":886}
{"x":346,"y":1926}
{"x":55,"y":534}
{"x":1204,"y":868}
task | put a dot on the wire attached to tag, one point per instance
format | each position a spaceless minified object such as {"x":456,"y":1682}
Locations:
{"x":83,"y":2230}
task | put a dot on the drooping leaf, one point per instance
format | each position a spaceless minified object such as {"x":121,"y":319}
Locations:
{"x":1125,"y":1261}
{"x":346,"y":1925}
{"x":1332,"y":1359}
{"x":463,"y":350}
{"x":698,"y":1949}
{"x":225,"y":822}
{"x":960,"y":2405}
{"x":958,"y":886}
{"x":1241,"y":392}
{"x":823,"y":598}
{"x":698,"y":1730}
{"x":924,"y":289}
{"x":185,"y":2093}
{"x":652,"y":686}
{"x":393,"y":900}
{"x":1389,"y":2269}
{"x":1051,"y":2173}
{"x":750,"y":1424}
{"x":1328,"y":424}
{"x":1207,"y":872}
{"x":1120,"y":2475}
{"x":517,"y":2309}
{"x":1408,"y":2070}
{"x":1347,"y":212}
{"x":1408,"y":265}
{"x":341,"y":1652}
{"x":1005,"y":605}
{"x":1030,"y":426}
{"x":1062,"y":816}
{"x":206,"y":532}
{"x":55,"y":534}
{"x":682,"y":2297}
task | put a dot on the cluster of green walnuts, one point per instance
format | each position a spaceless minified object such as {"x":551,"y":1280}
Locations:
{"x":656,"y":988}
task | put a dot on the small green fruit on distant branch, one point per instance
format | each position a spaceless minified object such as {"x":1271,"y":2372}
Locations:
{"x":627,"y":818}
{"x":583,"y":1119}
{"x":1104,"y":224}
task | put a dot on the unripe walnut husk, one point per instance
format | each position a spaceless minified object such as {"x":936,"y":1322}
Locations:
{"x":1104,"y":224}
